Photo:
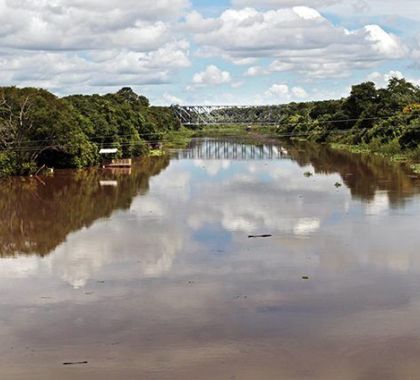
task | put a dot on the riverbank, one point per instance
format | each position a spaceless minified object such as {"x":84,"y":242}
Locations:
{"x":409,"y":157}
{"x":177,"y":139}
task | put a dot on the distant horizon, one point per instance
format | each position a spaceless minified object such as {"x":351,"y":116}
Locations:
{"x":231,"y":52}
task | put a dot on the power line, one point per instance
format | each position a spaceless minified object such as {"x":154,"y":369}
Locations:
{"x":28,"y":147}
{"x":98,"y":137}
{"x":67,"y":145}
{"x":162,"y":133}
{"x":273,"y":123}
{"x":130,"y":144}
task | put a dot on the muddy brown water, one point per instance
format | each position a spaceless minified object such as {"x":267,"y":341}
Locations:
{"x":150,"y":273}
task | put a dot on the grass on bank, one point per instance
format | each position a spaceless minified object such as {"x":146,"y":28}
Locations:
{"x":232,"y":130}
{"x":390,"y":150}
{"x":156,"y":153}
{"x":177,"y":139}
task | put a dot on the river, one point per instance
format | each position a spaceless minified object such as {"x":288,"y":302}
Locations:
{"x":150,"y":273}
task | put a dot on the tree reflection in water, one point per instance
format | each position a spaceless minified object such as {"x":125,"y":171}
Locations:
{"x":363,"y":174}
{"x":38,"y":214}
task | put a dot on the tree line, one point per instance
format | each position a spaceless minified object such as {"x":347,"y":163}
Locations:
{"x":384,"y":119}
{"x":38,"y":128}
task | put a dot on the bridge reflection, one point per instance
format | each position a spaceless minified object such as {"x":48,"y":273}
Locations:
{"x":223,"y":150}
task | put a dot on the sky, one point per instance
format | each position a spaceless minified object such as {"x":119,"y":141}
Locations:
{"x":209,"y":52}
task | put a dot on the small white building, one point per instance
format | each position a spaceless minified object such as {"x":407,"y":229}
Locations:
{"x":110,"y":161}
{"x":109,"y":151}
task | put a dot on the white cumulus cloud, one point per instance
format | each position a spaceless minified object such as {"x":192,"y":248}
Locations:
{"x":64,"y":72}
{"x":90,"y":46}
{"x":297,"y":39}
{"x":212,"y":75}
{"x":278,"y":90}
{"x":382,"y":79}
{"x":299,"y":92}
{"x":283,"y":92}
{"x":282,"y":3}
{"x":75,"y":46}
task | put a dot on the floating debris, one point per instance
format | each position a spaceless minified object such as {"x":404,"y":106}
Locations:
{"x":259,"y":236}
{"x":305,"y":277}
{"x":75,"y":363}
{"x":308,"y":174}
{"x":338,"y":184}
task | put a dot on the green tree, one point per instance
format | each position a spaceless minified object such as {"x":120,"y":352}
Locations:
{"x":36,"y":126}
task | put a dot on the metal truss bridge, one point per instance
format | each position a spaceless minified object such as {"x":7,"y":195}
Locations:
{"x":223,"y":150}
{"x":234,"y":115}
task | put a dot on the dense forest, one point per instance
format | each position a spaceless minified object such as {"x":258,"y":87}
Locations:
{"x":37,"y":128}
{"x":385,"y":119}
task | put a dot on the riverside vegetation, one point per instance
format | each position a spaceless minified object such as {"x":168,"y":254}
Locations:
{"x":37,"y":128}
{"x":385,"y":121}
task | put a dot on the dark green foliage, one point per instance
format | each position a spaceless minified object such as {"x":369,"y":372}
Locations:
{"x":113,"y":121}
{"x":363,"y":99}
{"x":163,"y":118}
{"x":325,"y":108}
{"x":386,"y":120}
{"x":37,"y":128}
{"x":36,"y":125}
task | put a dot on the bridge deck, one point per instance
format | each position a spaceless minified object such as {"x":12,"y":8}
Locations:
{"x":220,"y":115}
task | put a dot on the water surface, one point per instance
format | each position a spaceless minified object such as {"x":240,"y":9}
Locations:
{"x":150,"y":274}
